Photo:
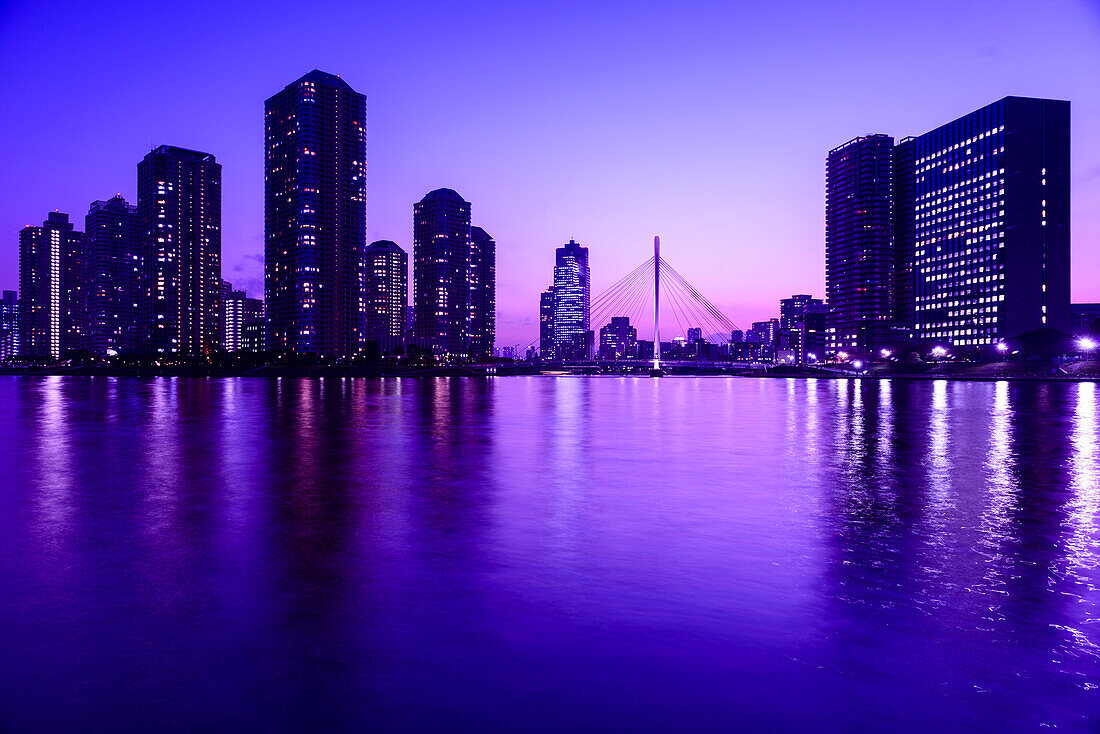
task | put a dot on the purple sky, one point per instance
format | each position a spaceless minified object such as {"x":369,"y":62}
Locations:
{"x":706,"y":123}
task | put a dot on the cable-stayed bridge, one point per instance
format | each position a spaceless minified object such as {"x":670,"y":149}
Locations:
{"x":648,"y":295}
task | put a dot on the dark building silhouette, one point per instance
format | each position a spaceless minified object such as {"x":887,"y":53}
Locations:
{"x":572,"y":302}
{"x":179,"y":215}
{"x":904,"y":215}
{"x":315,"y":216}
{"x":114,"y":268}
{"x":990,"y":248}
{"x":9,"y":324}
{"x":52,"y":288}
{"x":441,"y":273}
{"x":546,"y":323}
{"x":618,"y":339}
{"x":387,"y":294}
{"x":859,"y":243}
{"x":483,"y":286}
{"x":1084,"y":319}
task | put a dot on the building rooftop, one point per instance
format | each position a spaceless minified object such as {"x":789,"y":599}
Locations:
{"x":384,"y":246}
{"x":322,"y":77}
{"x":445,"y":194}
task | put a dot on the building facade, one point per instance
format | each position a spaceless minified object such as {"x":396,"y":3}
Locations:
{"x":52,"y":288}
{"x":238,"y":310}
{"x":799,"y":326}
{"x":386,"y":294}
{"x":859,"y":244}
{"x":441,"y":273}
{"x":572,"y":302}
{"x":114,"y":268}
{"x":991,"y":206}
{"x":9,"y":324}
{"x":618,"y":339}
{"x":315,"y":216}
{"x":179,"y":214}
{"x":546,"y":323}
{"x":483,"y":288}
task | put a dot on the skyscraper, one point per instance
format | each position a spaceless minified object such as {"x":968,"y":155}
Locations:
{"x":315,"y":216}
{"x":859,"y":243}
{"x":483,"y":288}
{"x":179,"y":213}
{"x":990,"y":248}
{"x":113,"y":275}
{"x":387,"y":294}
{"x":441,"y":273}
{"x":904,"y":216}
{"x":546,"y":323}
{"x":51,"y":288}
{"x":9,"y":324}
{"x":572,"y":301}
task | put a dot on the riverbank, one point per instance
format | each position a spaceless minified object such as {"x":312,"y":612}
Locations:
{"x":964,"y":371}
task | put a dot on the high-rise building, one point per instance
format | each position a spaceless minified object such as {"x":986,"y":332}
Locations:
{"x":546,"y":323}
{"x":238,"y":310}
{"x":618,"y":339}
{"x":483,"y":287}
{"x":114,"y":269}
{"x":315,"y":216}
{"x":572,"y":302}
{"x":859,"y":244}
{"x":386,"y":294}
{"x":796,"y":324}
{"x":441,"y":273}
{"x":52,"y":289}
{"x":904,"y":236}
{"x":990,"y":247}
{"x":179,"y":213}
{"x":9,"y":324}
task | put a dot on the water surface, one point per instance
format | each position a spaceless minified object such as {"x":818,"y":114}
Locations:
{"x":548,"y":554}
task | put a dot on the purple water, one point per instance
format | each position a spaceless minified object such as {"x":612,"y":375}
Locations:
{"x":548,"y":554}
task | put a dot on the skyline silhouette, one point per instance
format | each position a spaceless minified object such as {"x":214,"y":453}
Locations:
{"x":707,"y":125}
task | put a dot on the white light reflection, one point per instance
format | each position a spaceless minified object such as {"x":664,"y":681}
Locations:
{"x":1085,"y":485}
{"x":54,"y":501}
{"x":997,"y":529}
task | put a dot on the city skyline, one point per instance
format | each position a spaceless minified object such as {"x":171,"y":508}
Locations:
{"x":703,"y":193}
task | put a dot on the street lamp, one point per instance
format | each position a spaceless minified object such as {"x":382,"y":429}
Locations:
{"x":939,"y":352}
{"x":1002,"y":348}
{"x":886,"y":353}
{"x":858,"y":365}
{"x":1086,"y":344}
{"x":842,"y":356}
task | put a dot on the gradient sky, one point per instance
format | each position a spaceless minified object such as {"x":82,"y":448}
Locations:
{"x":706,"y":123}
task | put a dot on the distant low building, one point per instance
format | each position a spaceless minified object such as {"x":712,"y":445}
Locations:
{"x":1084,"y":319}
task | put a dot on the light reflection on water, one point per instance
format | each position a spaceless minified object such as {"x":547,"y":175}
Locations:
{"x":546,"y":553}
